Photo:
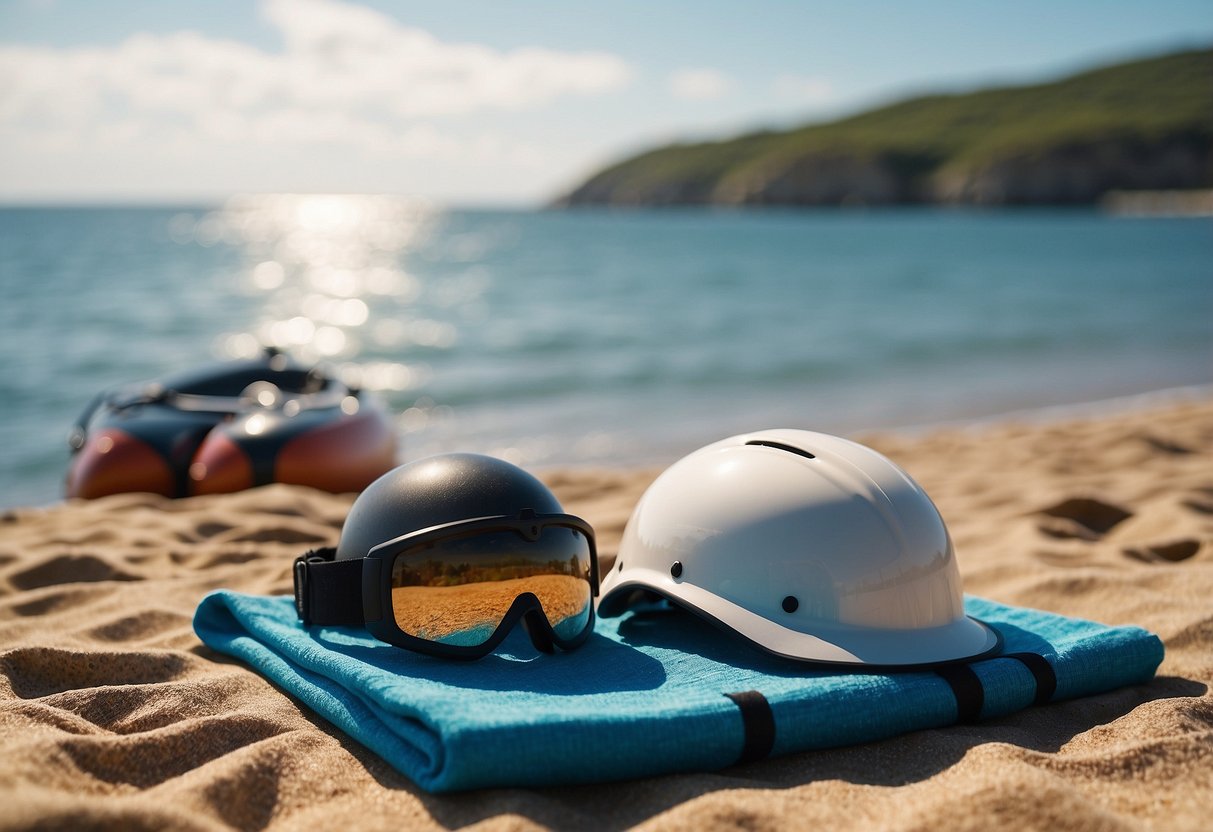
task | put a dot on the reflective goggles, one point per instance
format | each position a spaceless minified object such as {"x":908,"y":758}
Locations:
{"x":458,"y":589}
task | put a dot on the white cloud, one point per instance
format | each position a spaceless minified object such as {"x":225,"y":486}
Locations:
{"x":347,"y":74}
{"x":804,"y":88}
{"x":700,"y":84}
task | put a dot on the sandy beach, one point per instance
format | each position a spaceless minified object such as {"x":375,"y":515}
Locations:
{"x":113,"y":714}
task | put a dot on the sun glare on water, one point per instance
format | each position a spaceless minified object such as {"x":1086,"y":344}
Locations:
{"x":329,"y":270}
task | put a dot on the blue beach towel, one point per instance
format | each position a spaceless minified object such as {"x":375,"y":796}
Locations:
{"x":652,"y":692}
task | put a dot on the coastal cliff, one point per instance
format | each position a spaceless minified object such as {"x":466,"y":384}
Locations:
{"x":1144,"y":125}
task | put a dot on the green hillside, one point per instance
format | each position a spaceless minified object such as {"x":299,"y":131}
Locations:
{"x":1145,"y":124}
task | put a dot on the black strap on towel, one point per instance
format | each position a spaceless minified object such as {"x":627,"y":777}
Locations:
{"x":328,"y":591}
{"x":970,"y":697}
{"x":966,"y":687}
{"x":758,"y":721}
{"x":1042,"y":672}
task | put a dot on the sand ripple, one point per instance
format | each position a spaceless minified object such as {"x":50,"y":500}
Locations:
{"x":112,"y":713}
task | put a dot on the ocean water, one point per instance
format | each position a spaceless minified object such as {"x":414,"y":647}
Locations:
{"x":566,"y":338}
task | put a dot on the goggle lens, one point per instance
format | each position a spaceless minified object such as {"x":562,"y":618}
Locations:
{"x":457,"y":590}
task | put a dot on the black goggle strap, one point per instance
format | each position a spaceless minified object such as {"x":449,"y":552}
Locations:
{"x":328,"y":591}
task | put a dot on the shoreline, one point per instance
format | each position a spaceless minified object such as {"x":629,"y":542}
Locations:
{"x":1090,"y":410}
{"x":1087,"y":410}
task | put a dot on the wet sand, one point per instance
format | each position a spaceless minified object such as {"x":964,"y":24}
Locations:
{"x":113,"y":714}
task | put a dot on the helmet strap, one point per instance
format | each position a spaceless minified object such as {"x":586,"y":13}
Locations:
{"x":328,"y":591}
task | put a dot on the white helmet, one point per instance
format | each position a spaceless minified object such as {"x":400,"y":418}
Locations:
{"x":810,"y":546}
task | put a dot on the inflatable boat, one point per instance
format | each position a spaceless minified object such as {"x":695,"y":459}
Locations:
{"x":228,"y":427}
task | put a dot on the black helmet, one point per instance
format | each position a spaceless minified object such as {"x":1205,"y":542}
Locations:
{"x":444,"y":555}
{"x":436,"y":491}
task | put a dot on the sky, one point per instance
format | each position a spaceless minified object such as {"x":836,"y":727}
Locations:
{"x":484,"y":102}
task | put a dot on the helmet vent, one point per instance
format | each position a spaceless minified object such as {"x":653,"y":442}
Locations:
{"x":779,"y":446}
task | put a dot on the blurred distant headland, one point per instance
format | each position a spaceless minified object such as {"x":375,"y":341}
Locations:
{"x":1146,"y":125}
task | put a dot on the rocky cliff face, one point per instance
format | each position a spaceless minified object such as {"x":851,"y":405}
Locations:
{"x":816,"y":179}
{"x":1073,"y":174}
{"x":1079,"y":174}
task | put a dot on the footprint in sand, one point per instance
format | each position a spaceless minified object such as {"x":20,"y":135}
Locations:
{"x":1166,"y":446}
{"x":35,"y":672}
{"x":1173,"y":551}
{"x":1170,"y":548}
{"x":1082,"y":518}
{"x":50,"y":599}
{"x":203,"y":531}
{"x":144,"y":625}
{"x":69,"y":569}
{"x":1202,"y":503}
{"x":279,"y":534}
